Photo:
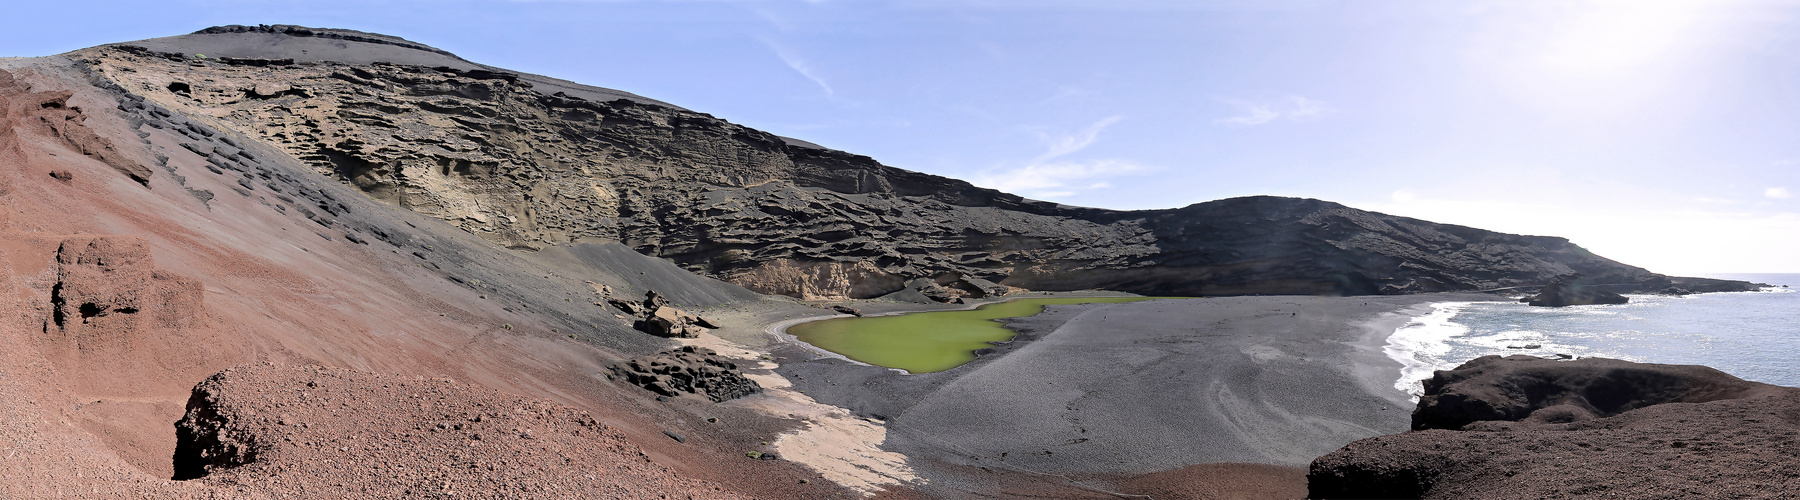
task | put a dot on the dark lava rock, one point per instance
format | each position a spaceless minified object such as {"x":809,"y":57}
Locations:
{"x":1573,"y":290}
{"x":1525,"y":427}
{"x":655,"y":316}
{"x":841,"y":309}
{"x":671,"y":322}
{"x":1516,"y":387}
{"x":688,"y":370}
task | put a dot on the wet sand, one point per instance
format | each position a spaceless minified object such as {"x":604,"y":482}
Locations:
{"x":1102,"y":391}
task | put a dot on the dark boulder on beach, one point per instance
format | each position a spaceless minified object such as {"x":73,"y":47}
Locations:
{"x":1573,"y":289}
{"x":1526,"y":427}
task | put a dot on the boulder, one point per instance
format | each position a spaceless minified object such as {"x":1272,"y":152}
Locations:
{"x":629,"y":307}
{"x":655,"y":316}
{"x":690,"y":370}
{"x":1573,"y":290}
{"x":671,"y":322}
{"x":842,"y":309}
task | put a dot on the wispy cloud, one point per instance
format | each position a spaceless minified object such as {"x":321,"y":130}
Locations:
{"x":1779,"y":193}
{"x":1066,"y":92}
{"x":1253,"y":112}
{"x":1046,"y":177}
{"x":800,"y":65}
{"x":1055,"y":180}
{"x":1062,"y":145}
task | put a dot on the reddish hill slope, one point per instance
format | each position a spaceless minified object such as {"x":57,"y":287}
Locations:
{"x":138,"y":258}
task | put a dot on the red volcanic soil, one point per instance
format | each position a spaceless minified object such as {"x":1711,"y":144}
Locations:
{"x":1222,"y":481}
{"x":299,"y":431}
{"x":128,"y":275}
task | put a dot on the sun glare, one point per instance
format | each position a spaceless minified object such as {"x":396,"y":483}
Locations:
{"x":1608,"y":36}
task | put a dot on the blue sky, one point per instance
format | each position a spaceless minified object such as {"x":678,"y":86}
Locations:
{"x":1661,"y":134}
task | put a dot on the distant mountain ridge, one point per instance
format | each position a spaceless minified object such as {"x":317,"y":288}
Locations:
{"x":530,"y":162}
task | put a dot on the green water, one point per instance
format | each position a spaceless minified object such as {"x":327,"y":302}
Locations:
{"x":927,"y":342}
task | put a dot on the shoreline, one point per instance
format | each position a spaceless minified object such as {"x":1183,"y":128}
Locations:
{"x":1119,"y":390}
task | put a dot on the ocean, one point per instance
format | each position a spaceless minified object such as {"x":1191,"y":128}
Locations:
{"x":1751,"y":335}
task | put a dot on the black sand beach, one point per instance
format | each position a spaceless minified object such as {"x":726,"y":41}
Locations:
{"x":1109,"y":390}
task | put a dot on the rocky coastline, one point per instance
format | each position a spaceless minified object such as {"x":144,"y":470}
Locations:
{"x":1527,"y":427}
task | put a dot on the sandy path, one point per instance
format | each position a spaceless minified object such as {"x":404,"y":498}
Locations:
{"x":840,"y":446}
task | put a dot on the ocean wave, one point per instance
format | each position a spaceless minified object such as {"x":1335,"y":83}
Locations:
{"x":1422,"y":345}
{"x":1747,"y":334}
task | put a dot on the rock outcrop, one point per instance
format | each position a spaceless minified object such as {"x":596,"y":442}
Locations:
{"x":1520,"y":387}
{"x":655,"y":316}
{"x":108,"y":291}
{"x":528,"y":162}
{"x":688,"y":371}
{"x":1525,"y":427}
{"x":1575,"y":290}
{"x":309,"y":431}
{"x":49,"y":114}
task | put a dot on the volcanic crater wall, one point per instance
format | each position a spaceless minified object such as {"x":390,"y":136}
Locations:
{"x":496,"y":155}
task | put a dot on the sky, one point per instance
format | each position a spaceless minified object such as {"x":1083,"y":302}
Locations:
{"x":1662,"y":134}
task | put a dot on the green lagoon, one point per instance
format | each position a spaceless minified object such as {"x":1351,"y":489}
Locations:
{"x":926,"y":342}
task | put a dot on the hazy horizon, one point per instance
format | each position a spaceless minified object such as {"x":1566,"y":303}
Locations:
{"x":1657,"y":134}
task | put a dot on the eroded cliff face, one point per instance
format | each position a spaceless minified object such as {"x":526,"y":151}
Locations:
{"x":526,"y":165}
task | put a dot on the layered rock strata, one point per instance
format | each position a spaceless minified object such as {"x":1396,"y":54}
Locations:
{"x":528,"y":162}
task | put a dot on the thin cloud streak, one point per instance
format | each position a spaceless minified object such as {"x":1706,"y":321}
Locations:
{"x":1047,"y":179}
{"x":1064,"y":145}
{"x":1263,"y":112}
{"x":1052,"y":180}
{"x":800,"y":65}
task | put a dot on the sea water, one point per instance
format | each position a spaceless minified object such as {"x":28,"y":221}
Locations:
{"x":1752,"y":335}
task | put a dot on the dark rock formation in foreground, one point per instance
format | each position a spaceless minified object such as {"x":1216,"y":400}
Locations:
{"x":1521,"y":387}
{"x":688,"y":371}
{"x":1574,"y":290}
{"x":530,"y":162}
{"x":1525,"y":427}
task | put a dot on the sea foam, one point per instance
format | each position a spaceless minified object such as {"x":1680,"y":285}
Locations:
{"x":1746,"y":334}
{"x":1423,"y":345}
